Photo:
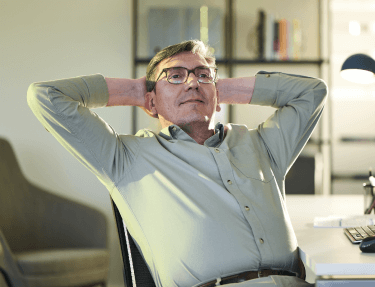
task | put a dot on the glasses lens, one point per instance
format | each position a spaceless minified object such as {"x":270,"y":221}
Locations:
{"x":179,"y":75}
{"x":176,"y":75}
{"x":205,"y":75}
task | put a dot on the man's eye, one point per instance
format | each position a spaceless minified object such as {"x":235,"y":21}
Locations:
{"x":175,"y":76}
{"x":203,"y":75}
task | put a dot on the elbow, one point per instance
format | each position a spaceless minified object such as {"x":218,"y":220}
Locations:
{"x":34,"y":100}
{"x":323,"y":87}
{"x":32,"y":91}
{"x":320,"y":91}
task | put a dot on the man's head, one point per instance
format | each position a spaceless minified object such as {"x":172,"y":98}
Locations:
{"x":166,"y":100}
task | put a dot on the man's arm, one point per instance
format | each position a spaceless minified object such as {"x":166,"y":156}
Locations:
{"x":64,"y":108}
{"x":235,"y":90}
{"x":126,"y":92}
{"x":299,"y":101}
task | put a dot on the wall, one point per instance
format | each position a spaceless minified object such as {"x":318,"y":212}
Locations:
{"x":46,"y":40}
{"x":353,"y":104}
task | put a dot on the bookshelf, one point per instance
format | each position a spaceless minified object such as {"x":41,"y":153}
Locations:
{"x":228,"y":58}
{"x":236,"y":59}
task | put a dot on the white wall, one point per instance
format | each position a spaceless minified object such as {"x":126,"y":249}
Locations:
{"x":46,"y":40}
{"x":353,"y":105}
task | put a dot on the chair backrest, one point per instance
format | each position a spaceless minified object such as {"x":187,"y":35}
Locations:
{"x":24,"y":208}
{"x":132,"y":258}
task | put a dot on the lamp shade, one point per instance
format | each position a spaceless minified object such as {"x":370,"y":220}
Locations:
{"x":359,"y":68}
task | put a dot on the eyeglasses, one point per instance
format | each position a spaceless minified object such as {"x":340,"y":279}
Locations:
{"x":179,"y":75}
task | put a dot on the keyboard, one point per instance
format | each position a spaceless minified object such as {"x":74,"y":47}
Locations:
{"x":357,"y":234}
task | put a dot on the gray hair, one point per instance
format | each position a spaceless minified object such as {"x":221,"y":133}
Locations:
{"x":195,"y":46}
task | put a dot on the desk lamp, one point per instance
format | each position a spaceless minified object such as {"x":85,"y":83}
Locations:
{"x":360,"y":69}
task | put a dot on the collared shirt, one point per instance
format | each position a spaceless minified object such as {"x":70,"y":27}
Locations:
{"x":196,"y":212}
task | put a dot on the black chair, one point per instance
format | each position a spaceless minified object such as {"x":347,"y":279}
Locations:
{"x":131,"y":257}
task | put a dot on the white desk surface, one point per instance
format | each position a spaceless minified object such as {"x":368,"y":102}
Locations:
{"x":327,"y":251}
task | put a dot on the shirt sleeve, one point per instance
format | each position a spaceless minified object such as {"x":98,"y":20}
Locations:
{"x":63,"y":108}
{"x":299,"y":101}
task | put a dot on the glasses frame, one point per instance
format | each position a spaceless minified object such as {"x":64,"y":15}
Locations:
{"x":165,"y":70}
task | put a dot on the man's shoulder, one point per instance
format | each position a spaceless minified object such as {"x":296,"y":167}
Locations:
{"x":240,"y":134}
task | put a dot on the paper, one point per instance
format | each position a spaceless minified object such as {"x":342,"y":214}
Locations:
{"x":344,"y":221}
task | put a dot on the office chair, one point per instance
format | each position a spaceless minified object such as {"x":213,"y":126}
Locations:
{"x":131,"y":256}
{"x":45,"y":239}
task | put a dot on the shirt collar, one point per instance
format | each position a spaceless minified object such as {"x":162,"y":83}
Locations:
{"x":175,"y":132}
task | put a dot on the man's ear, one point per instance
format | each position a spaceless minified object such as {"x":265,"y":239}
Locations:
{"x":218,"y":108}
{"x":150,"y":108}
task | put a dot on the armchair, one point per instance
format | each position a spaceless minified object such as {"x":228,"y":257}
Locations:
{"x":45,"y":239}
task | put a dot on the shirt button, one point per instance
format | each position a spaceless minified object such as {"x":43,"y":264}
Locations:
{"x":247,"y":208}
{"x":229,"y":182}
{"x":268,"y":75}
{"x":261,"y":240}
{"x":174,"y":129}
{"x":217,"y":150}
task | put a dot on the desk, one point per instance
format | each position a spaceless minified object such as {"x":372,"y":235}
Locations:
{"x":329,"y":257}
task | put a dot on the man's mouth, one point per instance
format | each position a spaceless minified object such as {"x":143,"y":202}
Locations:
{"x":194,"y":101}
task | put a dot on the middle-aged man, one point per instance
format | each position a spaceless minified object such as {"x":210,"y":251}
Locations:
{"x":204,"y":203}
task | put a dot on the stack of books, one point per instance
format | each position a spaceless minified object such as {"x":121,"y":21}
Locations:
{"x":278,"y":39}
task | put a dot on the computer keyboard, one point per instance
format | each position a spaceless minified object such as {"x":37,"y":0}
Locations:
{"x":357,"y":234}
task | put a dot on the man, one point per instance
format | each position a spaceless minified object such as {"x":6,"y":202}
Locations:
{"x":205,"y":203}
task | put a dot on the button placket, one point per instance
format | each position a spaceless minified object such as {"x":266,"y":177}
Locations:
{"x":228,"y":181}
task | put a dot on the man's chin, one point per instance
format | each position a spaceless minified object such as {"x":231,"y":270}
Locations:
{"x":193,"y":120}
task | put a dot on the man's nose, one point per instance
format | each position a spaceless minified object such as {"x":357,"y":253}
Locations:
{"x":192,"y":79}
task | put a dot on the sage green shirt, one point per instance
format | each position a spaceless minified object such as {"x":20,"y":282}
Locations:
{"x":197,"y":212}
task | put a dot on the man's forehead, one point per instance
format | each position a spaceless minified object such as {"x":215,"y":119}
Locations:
{"x":183,"y":59}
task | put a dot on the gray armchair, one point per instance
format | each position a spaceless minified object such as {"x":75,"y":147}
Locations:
{"x":47,"y":240}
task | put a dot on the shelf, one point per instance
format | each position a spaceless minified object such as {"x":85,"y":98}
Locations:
{"x":248,"y":61}
{"x":245,"y":62}
{"x":358,"y":140}
{"x":312,"y":141}
{"x":361,"y":177}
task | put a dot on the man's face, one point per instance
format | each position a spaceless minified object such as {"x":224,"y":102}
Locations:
{"x":169,"y":100}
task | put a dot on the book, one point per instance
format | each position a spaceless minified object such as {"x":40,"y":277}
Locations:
{"x":297,"y":39}
{"x":283,"y":40}
{"x":268,"y":46}
{"x":290,"y":39}
{"x":276,"y":40}
{"x":261,"y":34}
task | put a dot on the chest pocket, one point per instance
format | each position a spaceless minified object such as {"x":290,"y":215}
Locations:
{"x":247,"y":162}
